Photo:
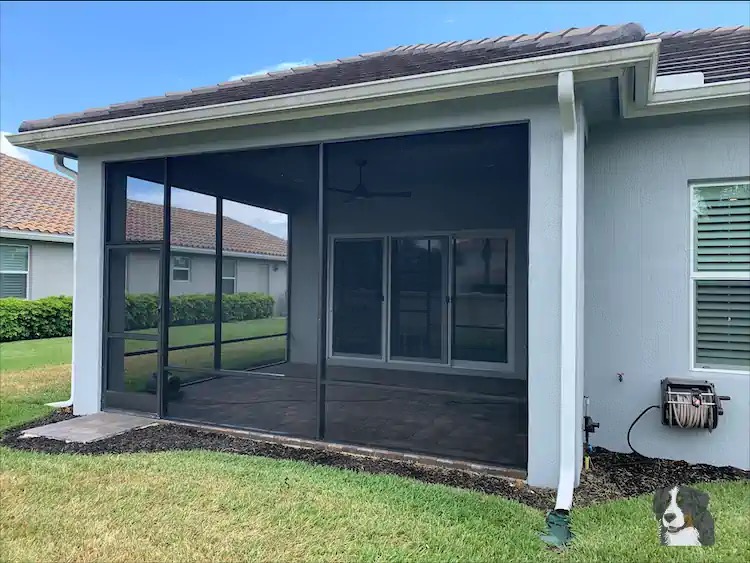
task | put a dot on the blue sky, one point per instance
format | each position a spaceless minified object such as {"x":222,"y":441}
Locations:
{"x":59,"y":57}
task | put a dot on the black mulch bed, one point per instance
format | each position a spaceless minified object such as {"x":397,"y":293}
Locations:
{"x":612,"y":475}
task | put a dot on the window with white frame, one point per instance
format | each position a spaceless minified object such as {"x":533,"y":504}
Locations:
{"x":14,"y":271}
{"x":180,"y":269}
{"x":720,"y":275}
{"x":228,"y":275}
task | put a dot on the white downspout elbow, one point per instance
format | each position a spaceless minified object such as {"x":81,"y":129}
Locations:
{"x":60,"y":165}
{"x":568,"y":288}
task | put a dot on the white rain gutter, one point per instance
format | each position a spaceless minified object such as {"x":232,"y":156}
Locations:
{"x":73,"y":175}
{"x":535,"y":72}
{"x":36,"y":235}
{"x":568,"y":292}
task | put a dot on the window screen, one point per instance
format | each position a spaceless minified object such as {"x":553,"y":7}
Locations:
{"x":14,"y":271}
{"x":721,"y":275}
{"x":180,"y":268}
{"x":722,"y":228}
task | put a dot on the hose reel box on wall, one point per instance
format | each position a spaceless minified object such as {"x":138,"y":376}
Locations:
{"x":688,"y":403}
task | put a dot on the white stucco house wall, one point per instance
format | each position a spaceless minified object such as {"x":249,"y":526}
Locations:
{"x":609,"y":166}
{"x":37,"y":209}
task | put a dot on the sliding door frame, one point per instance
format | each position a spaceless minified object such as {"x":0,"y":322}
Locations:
{"x":385,"y":287}
{"x":386,"y":359}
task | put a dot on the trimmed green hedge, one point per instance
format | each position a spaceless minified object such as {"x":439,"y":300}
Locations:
{"x":193,"y":309}
{"x":52,"y":316}
{"x":44,"y":318}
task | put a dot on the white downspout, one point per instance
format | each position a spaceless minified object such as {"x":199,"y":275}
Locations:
{"x":60,"y":165}
{"x":568,"y":288}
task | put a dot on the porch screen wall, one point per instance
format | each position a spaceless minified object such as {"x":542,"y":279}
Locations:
{"x":227,"y":333}
{"x":395,"y":281}
{"x":452,"y":379}
{"x":133,"y":254}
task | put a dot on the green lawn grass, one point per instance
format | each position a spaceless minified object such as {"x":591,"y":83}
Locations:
{"x":24,"y":394}
{"x":29,"y":354}
{"x":234,"y":356}
{"x":35,"y":354}
{"x":208,"y":506}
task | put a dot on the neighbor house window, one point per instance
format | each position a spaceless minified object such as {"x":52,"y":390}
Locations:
{"x":228,"y":275}
{"x":14,"y":271}
{"x":180,"y":269}
{"x":721,"y":275}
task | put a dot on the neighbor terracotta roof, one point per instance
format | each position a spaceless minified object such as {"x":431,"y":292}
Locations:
{"x":381,"y":65}
{"x":195,"y":229}
{"x":33,"y":199}
{"x":721,"y":53}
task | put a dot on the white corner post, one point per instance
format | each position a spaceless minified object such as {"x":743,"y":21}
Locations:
{"x":570,"y":324}
{"x":88,"y":288}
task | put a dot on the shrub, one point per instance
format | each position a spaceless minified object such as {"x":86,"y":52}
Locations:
{"x":52,"y":316}
{"x":49,"y":317}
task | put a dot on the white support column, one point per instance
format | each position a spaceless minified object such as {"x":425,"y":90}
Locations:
{"x":569,"y":294}
{"x":88,"y":263}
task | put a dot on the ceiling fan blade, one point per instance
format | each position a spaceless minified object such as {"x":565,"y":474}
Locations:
{"x":339,"y":190}
{"x":389,"y":194}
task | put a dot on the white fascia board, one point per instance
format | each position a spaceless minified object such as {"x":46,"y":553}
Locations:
{"x":228,"y":253}
{"x":505,"y":76}
{"x":713,"y":96}
{"x":35,"y":235}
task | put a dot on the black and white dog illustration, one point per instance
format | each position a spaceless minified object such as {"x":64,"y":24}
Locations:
{"x":683,"y":516}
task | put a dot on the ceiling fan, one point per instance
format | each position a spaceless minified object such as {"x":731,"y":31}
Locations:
{"x":361,"y":192}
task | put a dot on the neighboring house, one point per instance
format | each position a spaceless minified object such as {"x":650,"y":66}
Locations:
{"x":36,"y":231}
{"x":528,"y":220}
{"x":36,"y":243}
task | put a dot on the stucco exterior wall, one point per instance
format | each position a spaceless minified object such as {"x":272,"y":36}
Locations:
{"x":252,"y":275}
{"x":50,"y":267}
{"x":637,"y":251}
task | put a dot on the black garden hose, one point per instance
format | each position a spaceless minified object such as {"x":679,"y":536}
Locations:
{"x":644,"y":411}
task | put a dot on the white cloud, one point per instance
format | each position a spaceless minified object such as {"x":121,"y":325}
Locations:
{"x":281,"y":66}
{"x":11,"y":150}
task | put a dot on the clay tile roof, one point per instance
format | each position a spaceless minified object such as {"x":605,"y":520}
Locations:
{"x":33,"y":199}
{"x":382,"y":65}
{"x":195,"y":229}
{"x":721,"y":54}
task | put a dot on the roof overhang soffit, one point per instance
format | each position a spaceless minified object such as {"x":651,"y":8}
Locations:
{"x":639,"y":97}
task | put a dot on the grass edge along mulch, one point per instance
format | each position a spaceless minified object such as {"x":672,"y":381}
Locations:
{"x":613,"y":475}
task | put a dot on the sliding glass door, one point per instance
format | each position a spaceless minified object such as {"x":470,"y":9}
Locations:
{"x":417,"y":298}
{"x":447,"y":299}
{"x":480,"y":300}
{"x":358,"y":297}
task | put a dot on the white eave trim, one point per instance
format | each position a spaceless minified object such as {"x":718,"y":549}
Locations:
{"x":521,"y":74}
{"x":36,"y":236}
{"x":713,"y":96}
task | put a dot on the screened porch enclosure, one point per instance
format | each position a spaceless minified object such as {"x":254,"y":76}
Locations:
{"x":403,"y":323}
